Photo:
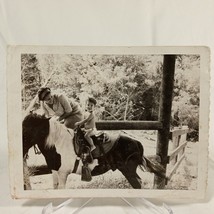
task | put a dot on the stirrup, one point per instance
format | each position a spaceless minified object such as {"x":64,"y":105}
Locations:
{"x":87,"y":156}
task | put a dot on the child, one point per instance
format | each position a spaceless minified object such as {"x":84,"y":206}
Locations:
{"x":89,"y":122}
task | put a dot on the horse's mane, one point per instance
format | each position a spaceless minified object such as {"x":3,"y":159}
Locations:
{"x":33,"y":119}
{"x":35,"y":129}
{"x":58,"y":133}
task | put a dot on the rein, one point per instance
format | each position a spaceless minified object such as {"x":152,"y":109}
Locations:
{"x":77,"y":161}
{"x":75,"y":141}
{"x":36,"y":150}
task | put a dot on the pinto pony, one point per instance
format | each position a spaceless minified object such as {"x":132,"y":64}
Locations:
{"x":57,"y":144}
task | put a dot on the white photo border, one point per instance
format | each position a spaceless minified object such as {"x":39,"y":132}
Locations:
{"x":14,"y":107}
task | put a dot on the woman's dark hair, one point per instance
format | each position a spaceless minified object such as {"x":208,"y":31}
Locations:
{"x":43,"y":92}
{"x":92,"y":100}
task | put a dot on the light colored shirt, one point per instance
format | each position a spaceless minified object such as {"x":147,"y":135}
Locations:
{"x":61,"y":104}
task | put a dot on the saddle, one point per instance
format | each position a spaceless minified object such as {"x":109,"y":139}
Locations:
{"x":103,"y":143}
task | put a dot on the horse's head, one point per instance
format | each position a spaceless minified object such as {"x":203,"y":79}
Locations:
{"x":35,"y":129}
{"x":79,"y":133}
{"x":79,"y":140}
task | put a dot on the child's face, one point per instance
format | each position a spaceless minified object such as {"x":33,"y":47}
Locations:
{"x":90,"y":106}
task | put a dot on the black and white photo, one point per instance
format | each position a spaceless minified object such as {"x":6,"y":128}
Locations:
{"x":108,"y":121}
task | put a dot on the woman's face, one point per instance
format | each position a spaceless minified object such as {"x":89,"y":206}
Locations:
{"x":48,"y":98}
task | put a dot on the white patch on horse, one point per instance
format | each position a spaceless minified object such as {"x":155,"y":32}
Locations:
{"x":58,"y":133}
{"x":62,"y":138}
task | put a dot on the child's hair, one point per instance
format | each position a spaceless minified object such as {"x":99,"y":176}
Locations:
{"x":92,"y":100}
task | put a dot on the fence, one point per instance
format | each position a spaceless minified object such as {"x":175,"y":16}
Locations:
{"x":176,"y":155}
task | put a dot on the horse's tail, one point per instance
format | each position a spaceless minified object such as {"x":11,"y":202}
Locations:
{"x":154,"y":167}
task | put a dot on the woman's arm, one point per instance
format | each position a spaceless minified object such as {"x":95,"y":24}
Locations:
{"x":66,"y":106}
{"x":44,"y":109}
{"x":65,"y":115}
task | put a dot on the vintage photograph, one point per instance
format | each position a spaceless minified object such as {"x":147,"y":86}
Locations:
{"x":132,"y":121}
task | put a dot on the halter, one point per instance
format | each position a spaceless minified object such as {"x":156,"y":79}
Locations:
{"x":36,"y":150}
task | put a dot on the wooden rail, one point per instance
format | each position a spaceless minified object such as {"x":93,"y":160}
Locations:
{"x":129,"y":125}
{"x":173,"y":170}
{"x":179,"y":143}
{"x":178,"y":132}
{"x":176,"y":151}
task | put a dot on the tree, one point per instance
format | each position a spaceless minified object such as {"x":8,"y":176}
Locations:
{"x":127,"y":87}
{"x":186,"y":92}
{"x":31,"y":78}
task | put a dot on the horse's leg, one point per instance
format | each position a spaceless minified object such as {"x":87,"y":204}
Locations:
{"x":62,"y":178}
{"x":100,"y":168}
{"x":55,"y":179}
{"x":129,"y":171}
{"x":26,"y":174}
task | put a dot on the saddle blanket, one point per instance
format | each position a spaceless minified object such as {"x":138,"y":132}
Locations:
{"x":107,"y":142}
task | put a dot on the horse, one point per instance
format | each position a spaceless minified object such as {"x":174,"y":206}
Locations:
{"x":58,"y":145}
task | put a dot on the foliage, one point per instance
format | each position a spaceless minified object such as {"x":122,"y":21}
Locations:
{"x":187,"y":93}
{"x":31,"y":77}
{"x":127,"y":87}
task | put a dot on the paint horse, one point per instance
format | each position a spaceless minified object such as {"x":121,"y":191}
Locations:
{"x":58,"y":145}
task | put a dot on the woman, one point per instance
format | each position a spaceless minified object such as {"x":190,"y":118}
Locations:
{"x":59,"y":105}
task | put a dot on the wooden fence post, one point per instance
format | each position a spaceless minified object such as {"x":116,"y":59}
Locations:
{"x":165,"y":115}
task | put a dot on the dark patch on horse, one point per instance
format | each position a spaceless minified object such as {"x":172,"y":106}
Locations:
{"x":40,"y":170}
{"x":125,"y":156}
{"x":53,"y":159}
{"x":35,"y":131}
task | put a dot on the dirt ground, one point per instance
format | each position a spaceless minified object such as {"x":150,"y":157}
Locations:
{"x":185,"y":177}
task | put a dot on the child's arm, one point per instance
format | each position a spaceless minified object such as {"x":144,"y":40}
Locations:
{"x":90,"y":117}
